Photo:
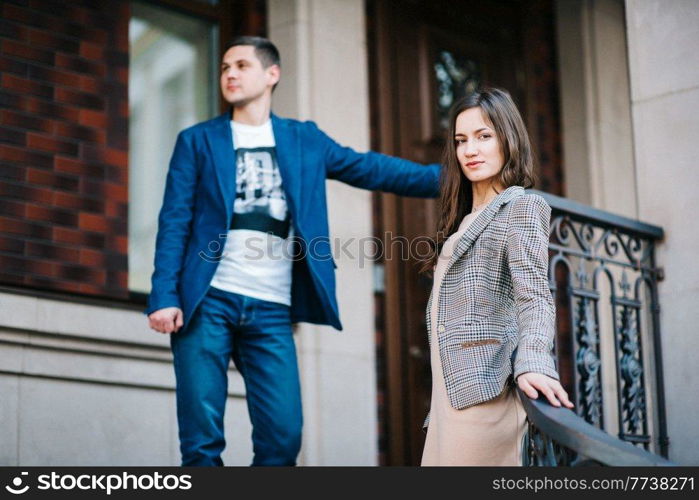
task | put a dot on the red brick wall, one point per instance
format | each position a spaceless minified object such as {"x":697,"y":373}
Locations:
{"x":64,"y":145}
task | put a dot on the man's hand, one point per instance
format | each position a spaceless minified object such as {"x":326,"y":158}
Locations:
{"x":167,"y":320}
{"x":530,"y":382}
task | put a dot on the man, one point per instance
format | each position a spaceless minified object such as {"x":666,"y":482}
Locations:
{"x":243,"y":252}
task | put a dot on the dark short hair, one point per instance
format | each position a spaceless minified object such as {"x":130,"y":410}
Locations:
{"x":265,"y":50}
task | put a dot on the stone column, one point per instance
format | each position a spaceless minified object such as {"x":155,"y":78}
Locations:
{"x":662,"y":41}
{"x":595,"y":106}
{"x":324,"y":79}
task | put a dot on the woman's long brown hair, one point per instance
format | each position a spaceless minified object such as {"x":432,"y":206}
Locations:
{"x":455,"y":194}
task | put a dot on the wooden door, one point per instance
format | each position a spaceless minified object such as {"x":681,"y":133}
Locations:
{"x":424,"y":56}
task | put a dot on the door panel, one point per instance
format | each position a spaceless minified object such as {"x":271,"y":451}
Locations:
{"x":423,"y":57}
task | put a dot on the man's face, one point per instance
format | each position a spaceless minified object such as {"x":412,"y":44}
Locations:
{"x":243,"y":78}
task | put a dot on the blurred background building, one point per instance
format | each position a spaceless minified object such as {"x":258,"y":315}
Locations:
{"x":93,"y":95}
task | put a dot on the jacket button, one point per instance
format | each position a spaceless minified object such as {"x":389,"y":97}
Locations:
{"x":441,"y":329}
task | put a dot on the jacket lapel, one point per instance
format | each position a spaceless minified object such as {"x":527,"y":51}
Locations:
{"x":220,"y":138}
{"x":288,"y":147}
{"x":482,"y":221}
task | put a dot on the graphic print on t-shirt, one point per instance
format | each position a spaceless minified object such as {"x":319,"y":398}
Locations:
{"x":256,"y":258}
{"x":260,"y":204}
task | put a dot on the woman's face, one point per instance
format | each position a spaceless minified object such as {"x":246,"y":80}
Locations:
{"x":478,"y":149}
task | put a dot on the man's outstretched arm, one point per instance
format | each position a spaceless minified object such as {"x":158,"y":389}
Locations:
{"x":376,"y":171}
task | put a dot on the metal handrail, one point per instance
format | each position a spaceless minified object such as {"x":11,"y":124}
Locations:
{"x":572,"y":432}
{"x":603,"y":271}
{"x":603,"y":218}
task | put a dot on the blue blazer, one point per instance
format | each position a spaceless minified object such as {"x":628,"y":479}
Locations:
{"x":198,"y":208}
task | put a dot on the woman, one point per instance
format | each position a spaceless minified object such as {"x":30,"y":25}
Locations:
{"x":490,"y":294}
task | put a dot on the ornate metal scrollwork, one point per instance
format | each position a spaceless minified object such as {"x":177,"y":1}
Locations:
{"x":588,"y":363}
{"x":633,"y":407}
{"x":592,"y":246}
{"x":564,"y":231}
{"x":584,"y":239}
{"x":539,"y":450}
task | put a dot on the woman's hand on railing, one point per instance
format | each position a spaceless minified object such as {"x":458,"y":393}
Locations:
{"x":532,"y":383}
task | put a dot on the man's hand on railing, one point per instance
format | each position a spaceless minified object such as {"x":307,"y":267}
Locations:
{"x":531,"y":382}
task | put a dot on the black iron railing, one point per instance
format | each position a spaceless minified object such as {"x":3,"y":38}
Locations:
{"x":559,"y":437}
{"x":604,"y":278}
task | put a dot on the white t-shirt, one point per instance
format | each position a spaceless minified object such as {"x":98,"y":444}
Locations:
{"x":254,"y":262}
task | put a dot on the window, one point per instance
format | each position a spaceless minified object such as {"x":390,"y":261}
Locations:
{"x":456,"y":76}
{"x":173,"y":84}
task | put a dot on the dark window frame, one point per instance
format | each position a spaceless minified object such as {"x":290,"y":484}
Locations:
{"x":232,"y":17}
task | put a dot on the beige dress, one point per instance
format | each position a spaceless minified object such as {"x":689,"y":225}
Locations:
{"x":489,"y":433}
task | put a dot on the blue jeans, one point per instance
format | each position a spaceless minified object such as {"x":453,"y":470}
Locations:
{"x":257,"y":335}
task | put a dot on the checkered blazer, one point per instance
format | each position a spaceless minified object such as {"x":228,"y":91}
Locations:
{"x":495,"y":298}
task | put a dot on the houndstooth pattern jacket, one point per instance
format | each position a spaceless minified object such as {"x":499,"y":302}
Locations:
{"x":495,"y":298}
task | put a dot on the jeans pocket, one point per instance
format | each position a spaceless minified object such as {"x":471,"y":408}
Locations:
{"x":271,"y":317}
